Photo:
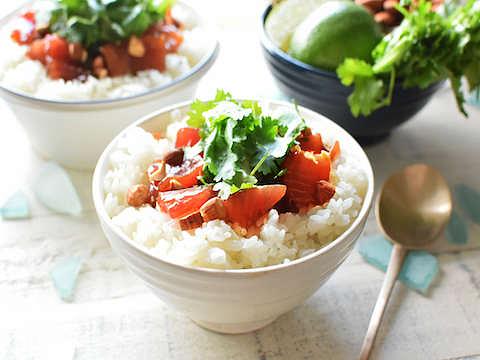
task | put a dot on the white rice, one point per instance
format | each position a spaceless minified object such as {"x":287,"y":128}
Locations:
{"x":283,"y":238}
{"x":19,"y":73}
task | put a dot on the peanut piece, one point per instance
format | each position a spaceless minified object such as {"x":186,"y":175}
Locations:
{"x":138,"y":195}
{"x":191,"y":222}
{"x":136,"y":47}
{"x":77,"y":52}
{"x":386,"y":18}
{"x":372,"y":5}
{"x":325,"y":192}
{"x":390,"y":4}
{"x":98,"y":67}
{"x":174,"y":158}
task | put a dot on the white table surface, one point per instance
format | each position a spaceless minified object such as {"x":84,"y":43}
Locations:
{"x":114,"y":316}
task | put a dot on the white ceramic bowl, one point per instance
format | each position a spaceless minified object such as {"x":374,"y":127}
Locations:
{"x":233,"y":301}
{"x":74,"y":133}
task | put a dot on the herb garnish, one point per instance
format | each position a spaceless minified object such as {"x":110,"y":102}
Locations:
{"x":427,"y":47}
{"x":240,"y":145}
{"x":95,"y":22}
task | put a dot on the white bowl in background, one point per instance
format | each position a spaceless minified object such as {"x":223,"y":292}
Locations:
{"x":74,"y":133}
{"x":233,"y":301}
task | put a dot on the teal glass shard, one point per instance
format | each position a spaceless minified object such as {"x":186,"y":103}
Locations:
{"x":16,"y":207}
{"x":418,"y":271}
{"x":64,"y":276}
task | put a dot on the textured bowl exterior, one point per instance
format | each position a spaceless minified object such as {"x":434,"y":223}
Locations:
{"x":233,"y":301}
{"x":322,"y":91}
{"x":74,"y":134}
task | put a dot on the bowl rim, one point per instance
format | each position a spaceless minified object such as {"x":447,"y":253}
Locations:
{"x":98,"y":200}
{"x":204,"y":64}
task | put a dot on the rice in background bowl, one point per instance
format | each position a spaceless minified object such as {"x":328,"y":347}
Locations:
{"x":232,"y":300}
{"x":71,"y":122}
{"x":283,"y":238}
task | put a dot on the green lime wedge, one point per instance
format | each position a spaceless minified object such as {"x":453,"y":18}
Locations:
{"x":285,"y":17}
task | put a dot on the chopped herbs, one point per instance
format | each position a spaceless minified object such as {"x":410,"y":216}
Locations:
{"x":427,"y":47}
{"x":241,"y":146}
{"x":95,"y":22}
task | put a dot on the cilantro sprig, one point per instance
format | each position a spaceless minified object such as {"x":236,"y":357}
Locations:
{"x":242,"y":147}
{"x":427,"y":47}
{"x":94,"y":22}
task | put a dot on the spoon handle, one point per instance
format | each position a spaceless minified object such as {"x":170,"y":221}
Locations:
{"x":394,"y":267}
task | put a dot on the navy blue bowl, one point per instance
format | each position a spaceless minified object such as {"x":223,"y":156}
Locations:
{"x":323,"y":92}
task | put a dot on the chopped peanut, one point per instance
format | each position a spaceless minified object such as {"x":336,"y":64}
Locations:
{"x":136,"y":47}
{"x":191,"y":222}
{"x":138,"y":195}
{"x":174,"y":157}
{"x":325,"y":192}
{"x":77,"y":52}
{"x":99,"y":69}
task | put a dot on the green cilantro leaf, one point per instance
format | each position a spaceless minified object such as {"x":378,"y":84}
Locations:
{"x":95,"y":22}
{"x":427,"y":47}
{"x":242,"y":147}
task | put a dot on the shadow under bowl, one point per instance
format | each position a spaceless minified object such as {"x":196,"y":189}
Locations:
{"x":322,"y":91}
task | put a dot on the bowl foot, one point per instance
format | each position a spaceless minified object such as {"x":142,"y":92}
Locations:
{"x":371,"y":140}
{"x":234,"y":328}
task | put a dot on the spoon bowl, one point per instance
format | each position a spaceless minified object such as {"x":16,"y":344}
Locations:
{"x":414,"y":206}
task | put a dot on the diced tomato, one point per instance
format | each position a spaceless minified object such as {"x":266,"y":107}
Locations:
{"x":185,"y":202}
{"x":154,"y":57}
{"x":51,"y":47}
{"x":30,"y":17}
{"x":56,"y":47}
{"x":246,"y":207}
{"x":311,"y":142}
{"x":38,"y":51}
{"x":182,"y":176}
{"x":335,"y":151}
{"x":159,"y":40}
{"x":304,"y":170}
{"x":187,"y":136}
{"x":117,"y":59}
{"x":58,"y":69}
{"x":27,"y":31}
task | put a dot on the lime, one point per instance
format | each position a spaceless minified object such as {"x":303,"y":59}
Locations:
{"x":285,"y":17}
{"x":334,"y":31}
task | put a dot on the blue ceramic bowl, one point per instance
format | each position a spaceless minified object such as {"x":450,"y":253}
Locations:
{"x":323,"y":92}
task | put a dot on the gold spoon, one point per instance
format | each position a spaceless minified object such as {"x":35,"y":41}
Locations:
{"x":412,"y":209}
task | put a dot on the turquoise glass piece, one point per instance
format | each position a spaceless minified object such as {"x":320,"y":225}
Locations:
{"x":64,"y":277}
{"x":468,"y":200}
{"x":419,"y":268}
{"x":473,"y":98}
{"x":55,"y":190}
{"x":457,"y":230}
{"x":16,"y":207}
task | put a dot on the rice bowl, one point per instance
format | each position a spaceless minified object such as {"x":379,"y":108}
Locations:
{"x":57,"y":128}
{"x":21,"y":74}
{"x":232,"y":300}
